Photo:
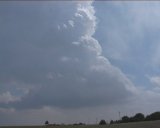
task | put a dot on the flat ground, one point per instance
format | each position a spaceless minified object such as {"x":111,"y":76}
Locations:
{"x":147,"y":124}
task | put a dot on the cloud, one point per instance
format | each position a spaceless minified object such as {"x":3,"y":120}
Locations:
{"x":130,"y":30}
{"x":57,"y":60}
{"x":130,"y":40}
{"x":6,"y":98}
{"x":71,"y":23}
{"x":53,"y":67}
{"x":155,"y":80}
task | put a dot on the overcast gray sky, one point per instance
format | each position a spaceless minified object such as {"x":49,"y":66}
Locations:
{"x":70,"y":62}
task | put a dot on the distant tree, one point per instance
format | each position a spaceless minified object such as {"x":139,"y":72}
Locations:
{"x":46,"y":122}
{"x":111,"y":122}
{"x":102,"y":122}
{"x":138,"y":117}
{"x":125,"y":119}
{"x":81,"y":123}
{"x":153,"y":116}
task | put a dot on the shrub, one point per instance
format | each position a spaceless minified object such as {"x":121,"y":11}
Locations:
{"x":46,"y":122}
{"x":102,"y":122}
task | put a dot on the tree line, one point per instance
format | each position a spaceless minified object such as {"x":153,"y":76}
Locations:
{"x":137,"y":118}
{"x":125,"y":119}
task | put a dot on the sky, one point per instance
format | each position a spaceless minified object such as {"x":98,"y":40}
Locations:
{"x":71,"y":62}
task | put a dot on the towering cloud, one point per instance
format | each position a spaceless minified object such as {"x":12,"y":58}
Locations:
{"x":49,"y":57}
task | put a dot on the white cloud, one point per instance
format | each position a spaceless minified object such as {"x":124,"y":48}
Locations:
{"x":58,"y":27}
{"x":155,"y":80}
{"x":91,"y":44}
{"x":65,"y":26}
{"x":7,"y":97}
{"x":71,"y":23}
{"x":6,"y":110}
{"x":87,"y":11}
{"x":132,"y":36}
{"x":76,"y":43}
{"x":64,"y":59}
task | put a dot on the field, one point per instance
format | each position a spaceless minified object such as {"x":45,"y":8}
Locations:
{"x":148,"y":124}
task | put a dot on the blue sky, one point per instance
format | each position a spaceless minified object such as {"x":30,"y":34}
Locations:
{"x":129,"y":36}
{"x":70,"y":62}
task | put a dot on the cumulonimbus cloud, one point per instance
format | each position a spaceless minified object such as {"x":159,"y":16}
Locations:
{"x":54,"y":56}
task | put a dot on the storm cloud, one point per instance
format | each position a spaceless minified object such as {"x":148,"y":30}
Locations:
{"x":50,"y":59}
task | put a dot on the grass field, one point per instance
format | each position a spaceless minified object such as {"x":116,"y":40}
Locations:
{"x":148,"y":124}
